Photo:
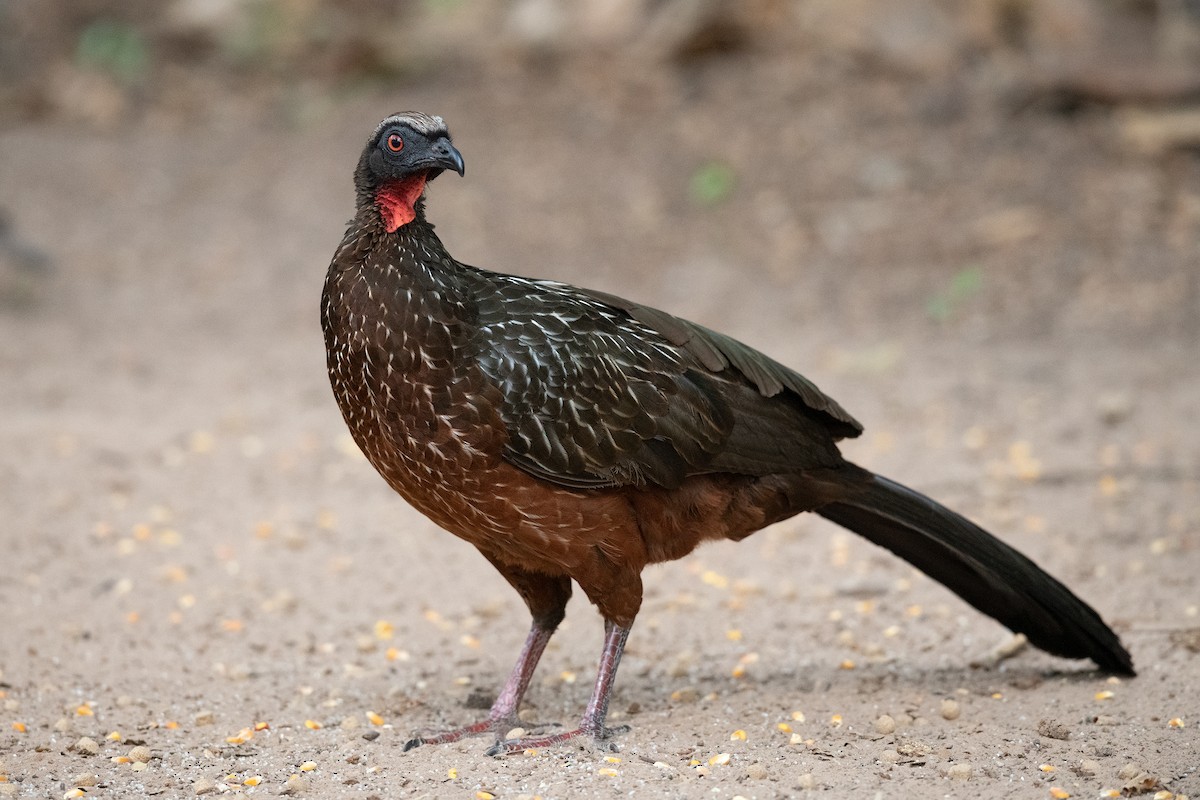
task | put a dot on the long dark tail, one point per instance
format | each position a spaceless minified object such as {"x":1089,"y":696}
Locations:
{"x":979,"y":568}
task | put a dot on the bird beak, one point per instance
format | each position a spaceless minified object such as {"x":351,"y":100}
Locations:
{"x":446,"y":156}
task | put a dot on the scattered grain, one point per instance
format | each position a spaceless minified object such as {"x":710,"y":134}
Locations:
{"x":86,"y":746}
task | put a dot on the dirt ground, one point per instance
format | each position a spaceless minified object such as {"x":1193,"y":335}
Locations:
{"x":1006,"y":297}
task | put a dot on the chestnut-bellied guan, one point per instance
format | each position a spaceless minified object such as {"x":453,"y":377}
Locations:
{"x":571,"y":435}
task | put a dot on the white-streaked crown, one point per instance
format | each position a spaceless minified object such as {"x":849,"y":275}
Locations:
{"x":424,"y":124}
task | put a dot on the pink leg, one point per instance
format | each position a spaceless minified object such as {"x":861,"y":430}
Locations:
{"x":503,"y":716}
{"x":592,"y":723}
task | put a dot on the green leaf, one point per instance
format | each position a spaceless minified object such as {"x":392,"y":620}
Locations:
{"x":711,"y":183}
{"x":963,"y":286}
{"x":115,"y":48}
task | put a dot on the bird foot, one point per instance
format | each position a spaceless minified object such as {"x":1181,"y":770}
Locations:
{"x":601,"y":738}
{"x":498,"y":727}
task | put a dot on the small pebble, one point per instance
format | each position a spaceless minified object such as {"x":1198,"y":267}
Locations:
{"x":86,"y":746}
{"x":204,"y":718}
{"x":959,"y":772}
{"x":1053,"y":729}
{"x":295,"y":784}
{"x":371,"y":736}
{"x":63,"y":725}
{"x":806,"y":781}
{"x":950,"y":709}
{"x":8,"y":790}
{"x":85,"y":779}
{"x":885,"y":724}
{"x":756,"y":772}
{"x":889,"y":757}
{"x":204,"y":786}
{"x":141,"y":753}
{"x":1087,"y":767}
{"x":1129,"y":771}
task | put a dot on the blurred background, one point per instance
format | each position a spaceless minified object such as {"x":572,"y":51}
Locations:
{"x":976,"y":223}
{"x":988,"y":164}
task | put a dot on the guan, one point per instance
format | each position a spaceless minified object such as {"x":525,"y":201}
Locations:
{"x":573,"y":436}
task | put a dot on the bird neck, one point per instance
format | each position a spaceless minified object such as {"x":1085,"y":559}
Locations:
{"x":401,"y":201}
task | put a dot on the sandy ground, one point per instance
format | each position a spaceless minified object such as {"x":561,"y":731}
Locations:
{"x":191,"y":546}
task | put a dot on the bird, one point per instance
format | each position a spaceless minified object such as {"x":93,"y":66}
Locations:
{"x":575,"y":437}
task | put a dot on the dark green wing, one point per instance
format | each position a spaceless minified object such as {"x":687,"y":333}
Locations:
{"x":602,"y":392}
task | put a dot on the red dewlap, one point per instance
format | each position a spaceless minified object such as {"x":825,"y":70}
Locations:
{"x":395,"y":200}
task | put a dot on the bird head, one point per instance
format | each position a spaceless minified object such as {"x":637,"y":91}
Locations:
{"x":406,"y":151}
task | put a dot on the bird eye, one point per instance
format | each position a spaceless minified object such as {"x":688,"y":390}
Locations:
{"x":395,"y":142}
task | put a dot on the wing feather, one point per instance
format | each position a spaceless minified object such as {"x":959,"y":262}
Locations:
{"x":599,"y":391}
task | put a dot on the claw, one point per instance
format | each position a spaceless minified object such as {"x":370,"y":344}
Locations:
{"x":600,"y":739}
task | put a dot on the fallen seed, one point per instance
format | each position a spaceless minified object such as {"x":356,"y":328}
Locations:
{"x":86,"y":746}
{"x":885,"y":725}
{"x":950,"y":709}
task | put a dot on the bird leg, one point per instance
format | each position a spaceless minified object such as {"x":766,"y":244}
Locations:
{"x":592,"y":723}
{"x":503,"y":715}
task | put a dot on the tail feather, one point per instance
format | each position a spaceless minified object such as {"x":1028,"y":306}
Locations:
{"x":981,"y":569}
